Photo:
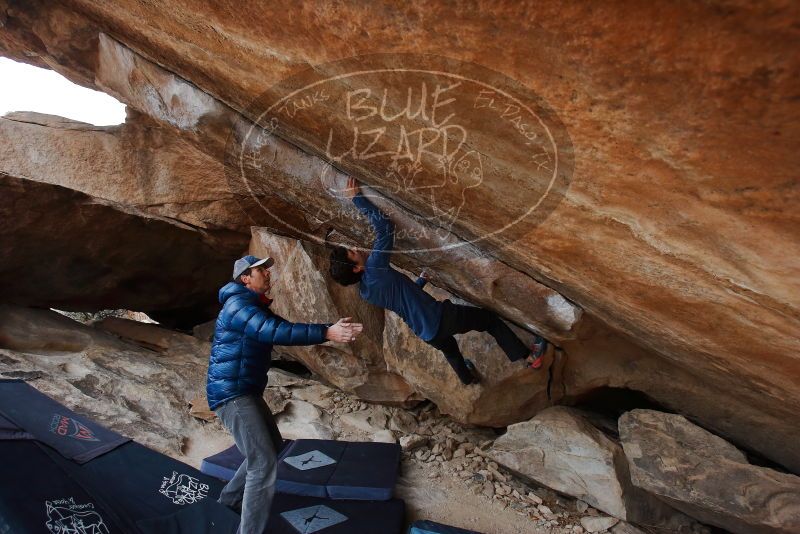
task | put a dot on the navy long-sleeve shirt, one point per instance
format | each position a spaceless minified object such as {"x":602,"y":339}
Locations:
{"x":383,"y":286}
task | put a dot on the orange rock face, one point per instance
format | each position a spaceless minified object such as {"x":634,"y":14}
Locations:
{"x":674,"y":126}
{"x":139,"y":164}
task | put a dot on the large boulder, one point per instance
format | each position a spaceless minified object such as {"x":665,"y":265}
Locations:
{"x":388,"y":363}
{"x":143,"y":170}
{"x":507,"y":392}
{"x":141,"y":392}
{"x":676,"y":233}
{"x":561,"y":449}
{"x":139,"y":163}
{"x":302,"y":292}
{"x":707,"y":477}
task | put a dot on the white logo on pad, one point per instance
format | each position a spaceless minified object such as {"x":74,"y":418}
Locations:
{"x":313,"y":518}
{"x":66,"y":517}
{"x":183,"y":489}
{"x":309,"y":460}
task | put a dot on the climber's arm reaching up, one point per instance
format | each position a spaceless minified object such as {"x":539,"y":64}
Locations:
{"x":381,"y":224}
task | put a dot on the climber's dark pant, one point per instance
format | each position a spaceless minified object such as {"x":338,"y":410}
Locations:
{"x":458,"y":319}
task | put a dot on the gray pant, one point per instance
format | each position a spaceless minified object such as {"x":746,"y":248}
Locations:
{"x":253,"y":428}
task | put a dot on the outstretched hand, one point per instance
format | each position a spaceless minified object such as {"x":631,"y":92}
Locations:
{"x":344,"y":331}
{"x":352,"y":188}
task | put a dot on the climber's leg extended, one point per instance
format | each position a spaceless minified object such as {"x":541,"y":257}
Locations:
{"x":461,"y":319}
{"x":465,"y":369}
{"x":470,"y":318}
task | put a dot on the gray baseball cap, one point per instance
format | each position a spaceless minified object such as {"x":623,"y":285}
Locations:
{"x":246,"y":262}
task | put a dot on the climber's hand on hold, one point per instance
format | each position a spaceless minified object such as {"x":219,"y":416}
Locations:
{"x":352,"y":188}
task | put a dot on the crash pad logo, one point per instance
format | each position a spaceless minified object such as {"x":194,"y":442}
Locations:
{"x":309,"y":460}
{"x":465,"y":154}
{"x":313,"y":518}
{"x":183,"y":489}
{"x":65,"y":516}
{"x":69,"y":427}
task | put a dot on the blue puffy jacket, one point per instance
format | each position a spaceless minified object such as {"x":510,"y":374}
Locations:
{"x":242,"y":346}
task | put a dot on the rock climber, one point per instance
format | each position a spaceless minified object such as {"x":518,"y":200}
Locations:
{"x":433,"y":321}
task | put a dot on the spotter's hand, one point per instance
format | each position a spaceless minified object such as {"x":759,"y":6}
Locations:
{"x":344,"y":331}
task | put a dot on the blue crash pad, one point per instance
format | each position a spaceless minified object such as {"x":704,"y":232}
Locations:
{"x":366,"y":471}
{"x":293,"y":514}
{"x":430,"y":527}
{"x":75,"y":437}
{"x":62,"y":472}
{"x":325,"y":468}
{"x":307,"y":465}
{"x":223,"y":465}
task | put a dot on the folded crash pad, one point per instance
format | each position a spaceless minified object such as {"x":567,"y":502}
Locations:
{"x":293,"y":514}
{"x":366,"y":471}
{"x":430,"y":527}
{"x":106,"y":483}
{"x":74,"y":436}
{"x":224,"y":464}
{"x":306,"y":466}
{"x":325,"y":468}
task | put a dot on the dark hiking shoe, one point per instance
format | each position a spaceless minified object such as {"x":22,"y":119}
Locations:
{"x":538,"y":351}
{"x":471,"y":366}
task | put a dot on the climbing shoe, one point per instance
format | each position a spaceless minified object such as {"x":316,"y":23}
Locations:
{"x":537,"y":353}
{"x":471,"y":366}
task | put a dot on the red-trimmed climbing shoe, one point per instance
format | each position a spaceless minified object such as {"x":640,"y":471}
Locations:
{"x":538,"y":350}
